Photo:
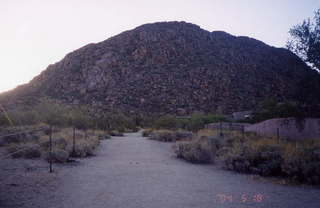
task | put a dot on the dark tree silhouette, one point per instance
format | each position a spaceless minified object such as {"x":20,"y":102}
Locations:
{"x":305,"y":40}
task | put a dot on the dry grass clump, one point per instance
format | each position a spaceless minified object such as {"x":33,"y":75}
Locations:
{"x":25,"y":150}
{"x":85,"y":142}
{"x":62,"y":145}
{"x":22,"y":134}
{"x":250,"y":153}
{"x":170,"y":135}
{"x":199,"y":150}
{"x":270,"y":157}
{"x":147,"y":132}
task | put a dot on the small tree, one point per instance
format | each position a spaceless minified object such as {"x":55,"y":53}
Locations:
{"x":52,"y":113}
{"x":305,"y":40}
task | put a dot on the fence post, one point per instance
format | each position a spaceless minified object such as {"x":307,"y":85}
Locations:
{"x":221,"y":129}
{"x":278,"y":135}
{"x":74,"y":142}
{"x":242,"y":132}
{"x":50,"y":153}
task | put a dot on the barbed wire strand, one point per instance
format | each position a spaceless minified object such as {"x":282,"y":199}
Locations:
{"x":23,"y":132}
{"x":20,"y":150}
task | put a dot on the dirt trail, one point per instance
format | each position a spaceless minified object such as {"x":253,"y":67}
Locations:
{"x":134,"y":172}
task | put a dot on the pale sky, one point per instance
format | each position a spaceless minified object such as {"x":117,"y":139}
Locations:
{"x":36,"y":33}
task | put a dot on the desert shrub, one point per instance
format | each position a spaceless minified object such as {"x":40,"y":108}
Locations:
{"x":59,"y":114}
{"x":146,"y":120}
{"x":199,"y":150}
{"x":52,"y":113}
{"x":170,"y":135}
{"x":104,"y":136}
{"x":147,"y":132}
{"x":4,"y":121}
{"x":198,"y":121}
{"x":265,"y":160}
{"x":213,"y":118}
{"x":251,"y":153}
{"x":84,"y":149}
{"x":116,"y":133}
{"x":163,"y":135}
{"x":62,"y":142}
{"x":166,"y":122}
{"x":80,"y":118}
{"x":193,"y":123}
{"x":25,"y":150}
{"x":24,"y":117}
{"x":84,"y":145}
{"x":19,"y":137}
{"x":38,"y":143}
{"x":116,"y":120}
{"x":269,"y":157}
{"x":57,"y":156}
{"x":271,"y":108}
{"x":303,"y":165}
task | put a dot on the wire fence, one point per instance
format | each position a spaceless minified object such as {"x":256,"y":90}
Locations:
{"x":38,"y":145}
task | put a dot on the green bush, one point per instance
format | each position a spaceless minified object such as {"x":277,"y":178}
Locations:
{"x":194,"y":123}
{"x":271,"y":108}
{"x":62,"y":115}
{"x":116,"y":121}
{"x":166,"y":122}
{"x":170,"y":135}
{"x":198,"y":121}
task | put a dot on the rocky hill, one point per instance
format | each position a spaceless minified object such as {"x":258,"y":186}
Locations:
{"x":173,"y":66}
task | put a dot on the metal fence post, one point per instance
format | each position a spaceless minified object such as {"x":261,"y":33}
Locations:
{"x":278,"y":135}
{"x":242,"y":132}
{"x":221,"y":129}
{"x":74,"y":142}
{"x":50,"y":154}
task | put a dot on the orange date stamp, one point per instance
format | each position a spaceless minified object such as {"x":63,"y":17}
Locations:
{"x":242,"y":198}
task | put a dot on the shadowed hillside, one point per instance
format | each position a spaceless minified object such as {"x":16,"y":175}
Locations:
{"x":169,"y":66}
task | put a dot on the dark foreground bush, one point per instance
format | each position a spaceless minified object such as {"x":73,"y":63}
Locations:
{"x":265,"y":161}
{"x":303,"y":166}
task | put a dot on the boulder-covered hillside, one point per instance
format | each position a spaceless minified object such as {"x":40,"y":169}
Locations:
{"x":173,"y":66}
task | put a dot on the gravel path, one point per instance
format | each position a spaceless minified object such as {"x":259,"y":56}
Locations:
{"x":134,"y":172}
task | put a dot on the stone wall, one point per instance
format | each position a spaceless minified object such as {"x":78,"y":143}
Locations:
{"x":289,"y":128}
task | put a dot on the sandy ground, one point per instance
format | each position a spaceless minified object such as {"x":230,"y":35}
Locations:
{"x":134,"y":172}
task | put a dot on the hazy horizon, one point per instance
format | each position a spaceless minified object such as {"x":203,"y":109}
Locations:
{"x":38,"y":33}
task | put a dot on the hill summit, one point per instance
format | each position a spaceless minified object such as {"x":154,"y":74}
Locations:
{"x":167,"y":67}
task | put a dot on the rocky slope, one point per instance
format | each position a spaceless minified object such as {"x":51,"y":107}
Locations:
{"x":173,"y":66}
